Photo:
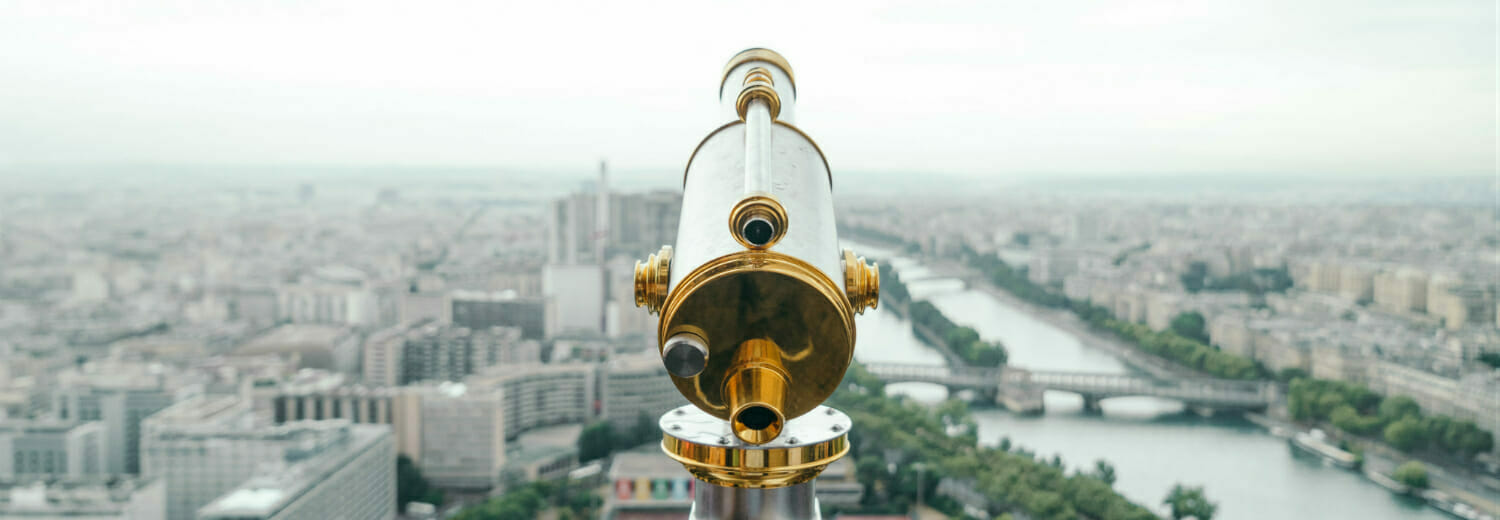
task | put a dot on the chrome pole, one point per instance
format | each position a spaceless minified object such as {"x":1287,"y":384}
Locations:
{"x":711,"y":502}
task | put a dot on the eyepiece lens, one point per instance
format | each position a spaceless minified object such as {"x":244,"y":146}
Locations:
{"x":758,"y":231}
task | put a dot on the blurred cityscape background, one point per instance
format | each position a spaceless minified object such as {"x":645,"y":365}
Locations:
{"x":360,"y":260}
{"x":268,"y":350}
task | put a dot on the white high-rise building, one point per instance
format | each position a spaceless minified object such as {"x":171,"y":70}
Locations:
{"x":338,"y":295}
{"x":1401,"y":291}
{"x":45,"y":449}
{"x":176,"y":451}
{"x":541,"y":395}
{"x":462,"y":435}
{"x":636,"y":386}
{"x":575,"y":298}
{"x":381,"y":363}
{"x":214,"y":456}
{"x":341,"y":471}
{"x":120,"y":408}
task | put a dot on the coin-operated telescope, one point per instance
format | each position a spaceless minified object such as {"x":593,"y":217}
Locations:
{"x":756,"y":303}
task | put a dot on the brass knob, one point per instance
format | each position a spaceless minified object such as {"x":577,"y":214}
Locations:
{"x":861,"y":282}
{"x":651,"y":280}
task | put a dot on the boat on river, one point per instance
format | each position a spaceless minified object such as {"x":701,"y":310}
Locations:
{"x":1387,"y":482}
{"x":1316,"y":443}
{"x":1454,"y":507}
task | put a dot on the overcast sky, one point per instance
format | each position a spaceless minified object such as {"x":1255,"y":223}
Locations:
{"x":991,"y":88}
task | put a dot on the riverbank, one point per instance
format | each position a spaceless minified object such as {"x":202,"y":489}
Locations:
{"x":1379,"y":461}
{"x":1067,"y":321}
{"x":1152,"y":445}
{"x":960,"y":345}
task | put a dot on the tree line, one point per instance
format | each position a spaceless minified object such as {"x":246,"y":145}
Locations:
{"x":600,"y":438}
{"x":530,"y":500}
{"x":1179,"y":343}
{"x":1350,"y":408}
{"x":962,"y":341}
{"x":1397,"y":420}
{"x":895,"y":439}
{"x":891,"y":287}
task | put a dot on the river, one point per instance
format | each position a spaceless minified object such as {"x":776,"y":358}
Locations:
{"x":1151,"y":442}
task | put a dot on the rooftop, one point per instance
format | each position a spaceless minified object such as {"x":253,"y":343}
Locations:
{"x":25,"y":426}
{"x":496,"y":296}
{"x":264,"y":495}
{"x":200,"y":411}
{"x":72,"y":497}
{"x":295,"y":336}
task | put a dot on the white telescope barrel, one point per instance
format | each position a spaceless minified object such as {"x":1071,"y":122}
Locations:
{"x":787,"y":165}
{"x":756,"y":299}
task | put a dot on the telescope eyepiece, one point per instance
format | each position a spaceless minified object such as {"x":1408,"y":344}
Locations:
{"x":758,"y":231}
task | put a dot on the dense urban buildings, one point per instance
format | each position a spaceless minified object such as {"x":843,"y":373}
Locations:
{"x":194,"y":336}
{"x":1400,"y":299}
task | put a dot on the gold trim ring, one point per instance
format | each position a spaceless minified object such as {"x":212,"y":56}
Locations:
{"x":861,"y":282}
{"x":763,"y":207}
{"x":701,"y":444}
{"x":754,"y":468}
{"x":758,"y":91}
{"x":651,"y":279}
{"x":758,"y":54}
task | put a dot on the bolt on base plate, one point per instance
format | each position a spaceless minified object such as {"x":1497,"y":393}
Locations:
{"x":708,"y":448}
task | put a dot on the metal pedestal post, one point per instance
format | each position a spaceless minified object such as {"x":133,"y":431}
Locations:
{"x":797,"y":502}
{"x":737,"y":480}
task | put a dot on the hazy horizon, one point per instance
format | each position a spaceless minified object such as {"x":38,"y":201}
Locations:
{"x":972,"y":90}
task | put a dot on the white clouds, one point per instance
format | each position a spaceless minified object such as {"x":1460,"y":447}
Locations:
{"x":984,"y":88}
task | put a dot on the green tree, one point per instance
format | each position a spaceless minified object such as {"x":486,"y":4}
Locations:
{"x":953,"y":411}
{"x":1398,"y":407}
{"x":1104,"y":471}
{"x":1476,"y":441}
{"x":1412,"y":473}
{"x":411,"y":486}
{"x":644,"y":430}
{"x":1290,"y":373}
{"x":1327,"y":403}
{"x":1195,"y":278}
{"x":1406,"y":434}
{"x":1346,"y":418}
{"x":960,"y":336}
{"x":1190,"y":502}
{"x":1190,"y":325}
{"x":596,"y":441}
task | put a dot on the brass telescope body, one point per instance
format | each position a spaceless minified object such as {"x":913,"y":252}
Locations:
{"x":756,"y":300}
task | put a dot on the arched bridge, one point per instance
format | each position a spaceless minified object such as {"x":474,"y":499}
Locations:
{"x":1021,"y":389}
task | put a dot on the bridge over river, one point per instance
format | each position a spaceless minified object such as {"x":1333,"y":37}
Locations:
{"x":1021,"y":390}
